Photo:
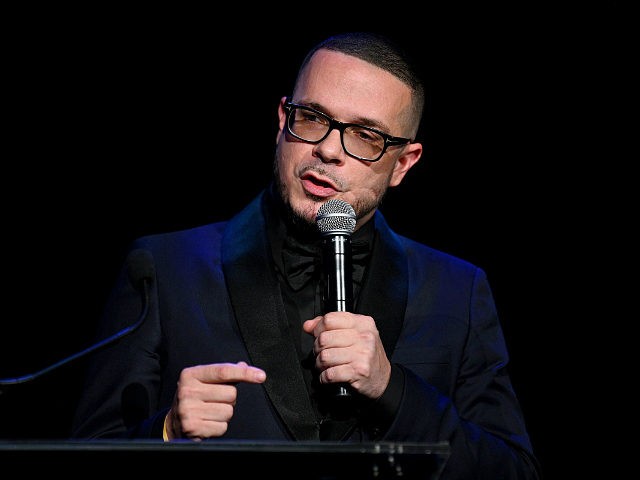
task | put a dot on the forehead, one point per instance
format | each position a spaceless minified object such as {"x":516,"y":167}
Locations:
{"x":348,"y":86}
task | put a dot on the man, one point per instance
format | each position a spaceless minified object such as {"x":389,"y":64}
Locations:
{"x":238,"y":343}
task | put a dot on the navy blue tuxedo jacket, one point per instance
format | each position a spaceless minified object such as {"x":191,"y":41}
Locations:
{"x":216,"y":298}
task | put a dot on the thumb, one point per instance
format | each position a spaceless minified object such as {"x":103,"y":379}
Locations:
{"x":310,"y":325}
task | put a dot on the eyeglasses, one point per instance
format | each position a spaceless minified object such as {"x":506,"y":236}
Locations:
{"x":358,"y":141}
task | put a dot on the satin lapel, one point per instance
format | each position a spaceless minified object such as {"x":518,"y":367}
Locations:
{"x":259,"y":311}
{"x":385,"y":289}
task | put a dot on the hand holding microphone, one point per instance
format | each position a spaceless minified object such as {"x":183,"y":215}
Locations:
{"x":353,"y":335}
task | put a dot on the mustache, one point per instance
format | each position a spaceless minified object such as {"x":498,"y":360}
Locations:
{"x":322,"y":171}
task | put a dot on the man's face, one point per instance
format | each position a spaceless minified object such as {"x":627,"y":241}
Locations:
{"x":349,"y":90}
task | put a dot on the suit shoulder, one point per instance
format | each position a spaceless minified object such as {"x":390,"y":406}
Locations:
{"x":193,"y":238}
{"x":420,"y":252}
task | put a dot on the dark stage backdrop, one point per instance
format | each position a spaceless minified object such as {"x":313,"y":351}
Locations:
{"x":119,"y":129}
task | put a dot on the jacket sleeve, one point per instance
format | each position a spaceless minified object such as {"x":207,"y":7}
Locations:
{"x":119,"y":398}
{"x":479,"y":415}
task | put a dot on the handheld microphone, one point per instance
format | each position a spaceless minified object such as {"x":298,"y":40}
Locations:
{"x":141,"y":270}
{"x":336,"y":221}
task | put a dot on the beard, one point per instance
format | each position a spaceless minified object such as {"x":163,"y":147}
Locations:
{"x":297,"y":220}
{"x":303,"y":221}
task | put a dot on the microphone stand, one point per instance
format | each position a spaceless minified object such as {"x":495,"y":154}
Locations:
{"x":141,"y":271}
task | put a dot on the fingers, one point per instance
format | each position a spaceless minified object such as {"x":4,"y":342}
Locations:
{"x":226,"y":373}
{"x":310,"y":325}
{"x":335,"y":321}
{"x":205,"y":399}
{"x":339,"y":330}
{"x":348,"y":349}
{"x":198,"y":420}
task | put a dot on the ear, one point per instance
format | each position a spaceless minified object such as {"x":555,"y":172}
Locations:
{"x":282,"y":117}
{"x":410,"y":155}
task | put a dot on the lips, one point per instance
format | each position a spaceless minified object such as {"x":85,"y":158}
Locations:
{"x":318,"y":186}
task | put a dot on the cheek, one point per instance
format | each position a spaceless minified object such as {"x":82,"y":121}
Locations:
{"x":286,"y":155}
{"x":370,"y":187}
{"x":377,"y":178}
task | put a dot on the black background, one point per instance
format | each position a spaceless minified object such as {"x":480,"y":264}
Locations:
{"x":119,"y":124}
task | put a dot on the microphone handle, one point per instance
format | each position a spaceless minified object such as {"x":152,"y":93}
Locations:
{"x":338,"y":290}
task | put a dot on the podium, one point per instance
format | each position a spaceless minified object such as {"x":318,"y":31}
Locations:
{"x":225,"y":459}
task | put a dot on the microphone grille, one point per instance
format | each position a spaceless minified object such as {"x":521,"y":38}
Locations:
{"x":336,"y":216}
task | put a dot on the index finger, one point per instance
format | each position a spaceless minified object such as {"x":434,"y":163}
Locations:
{"x":229,"y":373}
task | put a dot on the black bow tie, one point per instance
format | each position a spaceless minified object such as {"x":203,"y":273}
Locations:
{"x":303,"y":261}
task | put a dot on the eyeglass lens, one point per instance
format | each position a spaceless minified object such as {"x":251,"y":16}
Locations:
{"x":312,"y":127}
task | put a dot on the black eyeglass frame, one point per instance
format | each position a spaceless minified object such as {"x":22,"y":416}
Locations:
{"x":389,"y":140}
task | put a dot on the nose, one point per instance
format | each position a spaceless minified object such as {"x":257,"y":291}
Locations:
{"x":330,"y":149}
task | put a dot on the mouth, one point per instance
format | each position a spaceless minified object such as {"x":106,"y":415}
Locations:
{"x":318,"y":186}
